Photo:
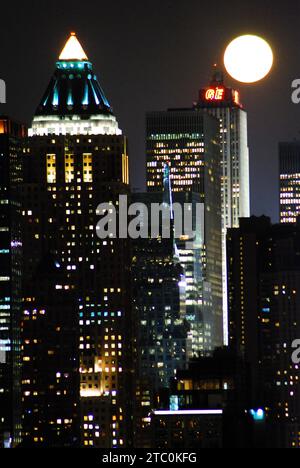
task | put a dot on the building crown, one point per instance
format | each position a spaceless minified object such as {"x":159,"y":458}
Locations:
{"x":73,"y":50}
{"x":74,"y":102}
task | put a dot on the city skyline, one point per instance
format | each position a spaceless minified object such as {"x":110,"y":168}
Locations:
{"x":152,"y":53}
{"x":149,"y":296}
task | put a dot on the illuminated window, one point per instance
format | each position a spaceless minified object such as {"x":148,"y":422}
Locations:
{"x":69,"y":168}
{"x":125,"y":169}
{"x":51,"y":168}
{"x":87,"y":168}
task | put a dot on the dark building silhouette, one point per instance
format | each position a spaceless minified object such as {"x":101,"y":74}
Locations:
{"x":264,"y":295}
{"x":207,"y":405}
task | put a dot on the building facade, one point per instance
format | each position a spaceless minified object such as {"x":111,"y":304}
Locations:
{"x":289,"y":181}
{"x":77,"y":159}
{"x":206,"y":406}
{"x":159,"y":305}
{"x":224,"y":103}
{"x":11,"y":152}
{"x":263,"y":274}
{"x":188,"y":142}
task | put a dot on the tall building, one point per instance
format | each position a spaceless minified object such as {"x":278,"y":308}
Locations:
{"x":264,"y":287}
{"x":11,"y":150}
{"x":188,"y":142}
{"x":159,"y":307}
{"x":50,"y":371}
{"x":159,"y":300}
{"x":224,"y":103}
{"x":76,"y":159}
{"x":289,"y":181}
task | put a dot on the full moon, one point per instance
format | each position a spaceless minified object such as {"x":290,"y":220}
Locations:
{"x":248,"y":58}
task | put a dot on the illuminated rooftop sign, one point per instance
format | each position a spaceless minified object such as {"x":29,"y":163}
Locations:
{"x":215,"y":94}
{"x":219,"y":96}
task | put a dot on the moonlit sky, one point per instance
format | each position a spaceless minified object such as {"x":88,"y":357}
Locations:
{"x":248,"y":58}
{"x":155,"y":54}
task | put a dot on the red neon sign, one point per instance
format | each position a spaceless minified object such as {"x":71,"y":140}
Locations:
{"x":215,"y":94}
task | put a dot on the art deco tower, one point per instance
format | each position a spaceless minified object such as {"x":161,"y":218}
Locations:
{"x":76,"y":312}
{"x":224,"y":103}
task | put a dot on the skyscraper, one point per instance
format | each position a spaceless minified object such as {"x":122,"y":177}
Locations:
{"x":189,"y":142}
{"x":77,"y":158}
{"x":289,"y":181}
{"x":50,"y":370}
{"x":224,"y":103}
{"x":159,"y":300}
{"x":159,"y":307}
{"x":264,"y":285}
{"x":11,"y":151}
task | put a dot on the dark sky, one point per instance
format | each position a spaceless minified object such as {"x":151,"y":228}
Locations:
{"x":151,"y":55}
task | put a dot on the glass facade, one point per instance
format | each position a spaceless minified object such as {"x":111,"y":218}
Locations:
{"x":189,"y":142}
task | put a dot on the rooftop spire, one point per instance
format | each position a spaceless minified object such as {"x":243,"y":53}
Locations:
{"x":168,"y":203}
{"x":73,"y":49}
{"x":217,"y":76}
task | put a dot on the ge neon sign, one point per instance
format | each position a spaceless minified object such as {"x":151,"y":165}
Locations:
{"x":215,"y":94}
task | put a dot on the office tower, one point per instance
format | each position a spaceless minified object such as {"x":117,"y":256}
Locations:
{"x":264,"y":285}
{"x":159,"y":300}
{"x":206,"y":406}
{"x":159,"y":307}
{"x":188,"y":141}
{"x":11,"y":135}
{"x":289,"y":181}
{"x":224,"y":103}
{"x":77,"y":159}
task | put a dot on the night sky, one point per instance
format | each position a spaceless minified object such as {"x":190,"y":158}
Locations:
{"x":151,"y":55}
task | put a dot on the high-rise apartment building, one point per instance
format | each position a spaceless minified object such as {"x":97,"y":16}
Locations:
{"x":11,"y":140}
{"x":225,"y":104}
{"x":289,"y":181}
{"x":76,"y":159}
{"x":50,"y":370}
{"x":264,"y":286}
{"x":188,"y":141}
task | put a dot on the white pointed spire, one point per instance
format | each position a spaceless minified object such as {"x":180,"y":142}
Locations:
{"x":73,"y":50}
